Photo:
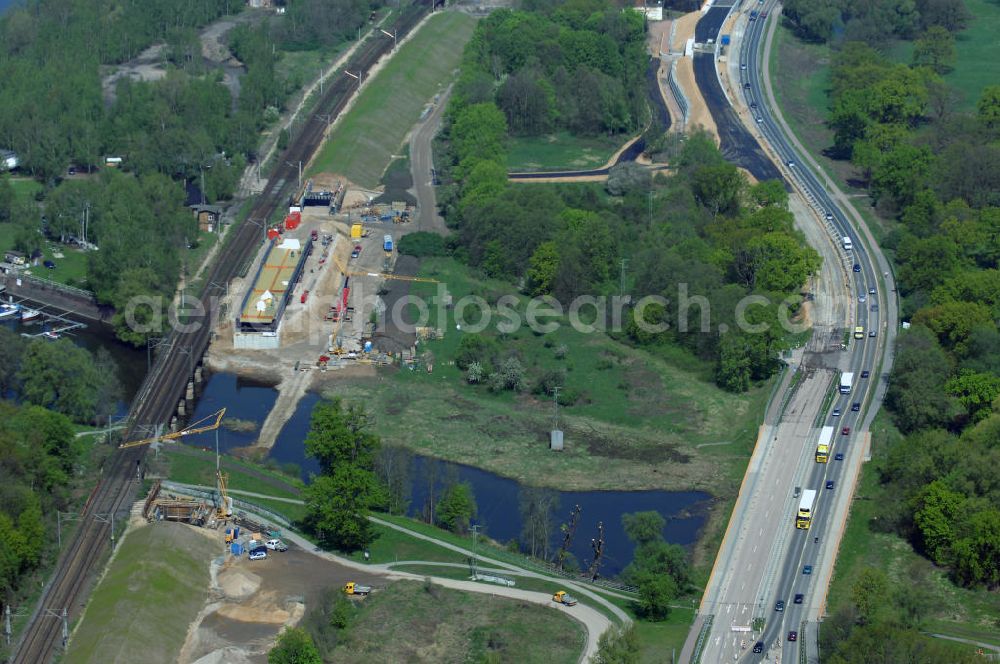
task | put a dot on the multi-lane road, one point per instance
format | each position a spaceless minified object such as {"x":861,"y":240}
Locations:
{"x":763,"y":556}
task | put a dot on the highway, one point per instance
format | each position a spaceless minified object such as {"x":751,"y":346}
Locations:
{"x":763,"y":554}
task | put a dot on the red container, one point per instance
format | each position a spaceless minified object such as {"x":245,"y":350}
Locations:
{"x":293,"y":220}
{"x":272,"y":233}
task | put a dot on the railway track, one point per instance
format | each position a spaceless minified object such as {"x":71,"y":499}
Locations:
{"x":164,"y":385}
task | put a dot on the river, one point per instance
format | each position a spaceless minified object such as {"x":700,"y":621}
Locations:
{"x":498,"y":498}
{"x":129,"y":362}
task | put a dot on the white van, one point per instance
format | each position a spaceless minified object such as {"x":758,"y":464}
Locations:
{"x":847,"y":244}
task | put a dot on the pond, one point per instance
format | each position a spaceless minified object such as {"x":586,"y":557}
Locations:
{"x":500,"y":500}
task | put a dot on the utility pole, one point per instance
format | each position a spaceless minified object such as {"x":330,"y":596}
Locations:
{"x":555,"y":407}
{"x":651,"y":207}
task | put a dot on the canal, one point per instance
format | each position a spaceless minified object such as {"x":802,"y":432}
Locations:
{"x":499,"y":499}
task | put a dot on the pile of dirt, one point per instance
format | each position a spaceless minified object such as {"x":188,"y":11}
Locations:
{"x":229,"y":655}
{"x":264,"y":608}
{"x":238,"y":583}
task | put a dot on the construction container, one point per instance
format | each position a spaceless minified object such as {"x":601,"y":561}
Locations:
{"x":356,"y":232}
{"x":272,"y":233}
{"x":293,"y":220}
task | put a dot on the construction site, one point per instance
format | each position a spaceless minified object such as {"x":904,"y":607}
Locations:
{"x":321,"y":296}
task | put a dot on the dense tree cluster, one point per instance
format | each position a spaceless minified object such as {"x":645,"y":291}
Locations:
{"x":60,"y":376}
{"x":936,"y":171}
{"x":577,"y":66}
{"x":338,"y":500}
{"x":38,"y":457}
{"x":880,"y":624}
{"x":875,"y":21}
{"x":660,"y":570}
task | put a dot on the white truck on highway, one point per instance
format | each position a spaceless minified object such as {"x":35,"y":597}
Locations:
{"x":824,"y":445}
{"x":804,"y":516}
{"x":846,"y":382}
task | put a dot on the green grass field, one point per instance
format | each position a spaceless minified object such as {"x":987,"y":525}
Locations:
{"x":950,"y":610}
{"x":559,"y":152}
{"x":977,"y":63}
{"x":637,"y":423}
{"x":141,"y":609}
{"x":441,"y":625}
{"x":363,"y":142}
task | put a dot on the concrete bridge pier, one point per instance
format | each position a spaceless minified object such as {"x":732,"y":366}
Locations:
{"x":181,"y":408}
{"x":189,"y":393}
{"x":173,"y":423}
{"x":198,"y":377}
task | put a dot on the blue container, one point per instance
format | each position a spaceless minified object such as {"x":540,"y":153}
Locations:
{"x":236,"y":549}
{"x":236,"y":532}
{"x":725,"y":40}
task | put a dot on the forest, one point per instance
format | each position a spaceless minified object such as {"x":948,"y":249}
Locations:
{"x":46,"y":388}
{"x":185,"y":127}
{"x":574,"y":66}
{"x":703,"y":231}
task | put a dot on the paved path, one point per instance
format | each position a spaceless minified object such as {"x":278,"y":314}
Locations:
{"x":594,"y":620}
{"x":421,"y":163}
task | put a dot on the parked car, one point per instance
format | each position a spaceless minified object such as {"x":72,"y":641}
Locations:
{"x":276,"y":545}
{"x":260,"y":553}
{"x":357,"y":251}
{"x":50,"y":265}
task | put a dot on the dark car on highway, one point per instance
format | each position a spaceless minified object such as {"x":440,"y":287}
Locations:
{"x":857,"y":267}
{"x":793,"y":636}
{"x":856,"y":406}
{"x":865,"y":374}
{"x":758,"y":647}
{"x":799,"y":597}
{"x":779,"y":605}
{"x":839,"y":456}
{"x":846,"y":431}
{"x":808,"y":569}
{"x":829,"y":484}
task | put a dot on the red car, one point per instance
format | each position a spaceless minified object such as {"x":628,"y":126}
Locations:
{"x":846,"y":431}
{"x":357,"y":251}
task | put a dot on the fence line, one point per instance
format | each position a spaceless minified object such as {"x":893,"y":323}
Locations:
{"x":679,"y":95}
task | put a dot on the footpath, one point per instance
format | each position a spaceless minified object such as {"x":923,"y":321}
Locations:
{"x":596,"y":621}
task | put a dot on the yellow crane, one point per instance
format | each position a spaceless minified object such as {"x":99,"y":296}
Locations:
{"x":193,"y":428}
{"x":378,"y":275}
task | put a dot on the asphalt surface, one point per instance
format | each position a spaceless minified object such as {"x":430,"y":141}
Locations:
{"x":763,"y":555}
{"x":737,"y":145}
{"x":421,"y":164}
